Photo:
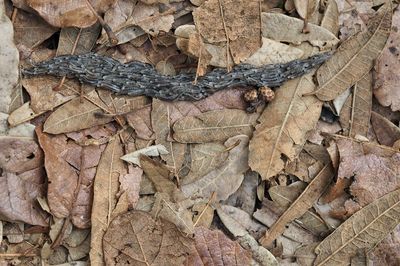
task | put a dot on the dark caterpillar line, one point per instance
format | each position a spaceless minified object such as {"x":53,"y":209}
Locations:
{"x":138,"y":78}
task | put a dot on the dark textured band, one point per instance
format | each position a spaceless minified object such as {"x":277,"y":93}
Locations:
{"x":138,"y":78}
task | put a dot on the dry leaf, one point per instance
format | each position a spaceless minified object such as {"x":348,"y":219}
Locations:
{"x":280,"y":27}
{"x":214,"y":248}
{"x":105,"y":188}
{"x":140,"y":120}
{"x":234,"y":23}
{"x":203,"y":159}
{"x":155,"y":150}
{"x":130,"y":183}
{"x":77,"y":41}
{"x":304,"y":202}
{"x":362,"y":231}
{"x":386,"y":253}
{"x":387,"y":75}
{"x":217,"y":125}
{"x":75,"y":13}
{"x":305,"y":9}
{"x":226,"y":179}
{"x":356,"y":111}
{"x":8,"y":61}
{"x":75,"y":115}
{"x":284,"y":132}
{"x":330,"y":20}
{"x":355,"y":57}
{"x":136,"y":238}
{"x":386,"y":132}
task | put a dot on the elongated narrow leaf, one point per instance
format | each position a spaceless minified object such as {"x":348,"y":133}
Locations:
{"x":355,"y":57}
{"x":305,"y":201}
{"x":356,"y":111}
{"x":218,"y":125}
{"x":283,"y":127}
{"x":360,"y":232}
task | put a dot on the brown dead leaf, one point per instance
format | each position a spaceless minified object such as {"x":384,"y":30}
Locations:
{"x":374,"y":174}
{"x":130,"y":183}
{"x":204,"y":158}
{"x":136,"y":238}
{"x":355,"y":57}
{"x":75,"y":13}
{"x":304,"y":202}
{"x":284,"y":133}
{"x":227,"y":178}
{"x":214,"y":248}
{"x":330,"y":20}
{"x":77,"y":41}
{"x":386,"y":253}
{"x":30,"y":30}
{"x":362,"y":231}
{"x":105,"y":187}
{"x":217,"y":125}
{"x":356,"y":111}
{"x":140,"y":120}
{"x":386,"y":132}
{"x":305,"y":9}
{"x":280,"y":27}
{"x":387,"y":75}
{"x":19,"y":154}
{"x":18,"y":195}
{"x":234,"y":23}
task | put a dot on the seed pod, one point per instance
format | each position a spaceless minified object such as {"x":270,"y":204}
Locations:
{"x":266,"y":93}
{"x":250,"y":96}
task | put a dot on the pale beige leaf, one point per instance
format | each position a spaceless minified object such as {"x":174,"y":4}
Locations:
{"x":106,"y":185}
{"x":75,"y":115}
{"x":330,"y":20}
{"x":217,"y":125}
{"x":22,"y":114}
{"x":361,"y":232}
{"x":280,"y":27}
{"x":356,"y":111}
{"x":304,"y":202}
{"x":227,"y":178}
{"x":355,"y":57}
{"x":305,"y":8}
{"x":154,"y":150}
{"x":283,"y":127}
{"x":161,"y":123}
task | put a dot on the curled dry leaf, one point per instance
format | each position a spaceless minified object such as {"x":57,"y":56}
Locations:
{"x":227,"y":178}
{"x":75,"y":13}
{"x":234,"y":23}
{"x":387,"y":75}
{"x":215,"y":248}
{"x":136,"y":238}
{"x":362,"y":231}
{"x":105,"y":187}
{"x":280,"y":27}
{"x":284,"y":132}
{"x":356,"y":111}
{"x":330,"y":20}
{"x":155,"y":150}
{"x":217,"y":125}
{"x":355,"y":56}
{"x":300,"y":206}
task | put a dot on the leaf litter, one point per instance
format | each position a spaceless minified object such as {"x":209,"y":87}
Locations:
{"x":310,"y":178}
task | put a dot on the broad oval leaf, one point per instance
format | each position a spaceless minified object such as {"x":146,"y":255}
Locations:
{"x":355,"y":57}
{"x":283,"y":127}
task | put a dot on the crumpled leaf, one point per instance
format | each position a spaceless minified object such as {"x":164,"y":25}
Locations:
{"x":155,"y":150}
{"x":236,"y":24}
{"x":18,"y":194}
{"x":355,"y":57}
{"x":300,"y":206}
{"x":362,"y":231}
{"x":227,"y":178}
{"x":214,"y":248}
{"x":75,"y":13}
{"x":8,"y":61}
{"x":356,"y":111}
{"x":136,"y":238}
{"x":280,"y":27}
{"x":130,"y":183}
{"x":387,"y":76}
{"x":105,"y":187}
{"x":284,"y":132}
{"x":217,"y":125}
